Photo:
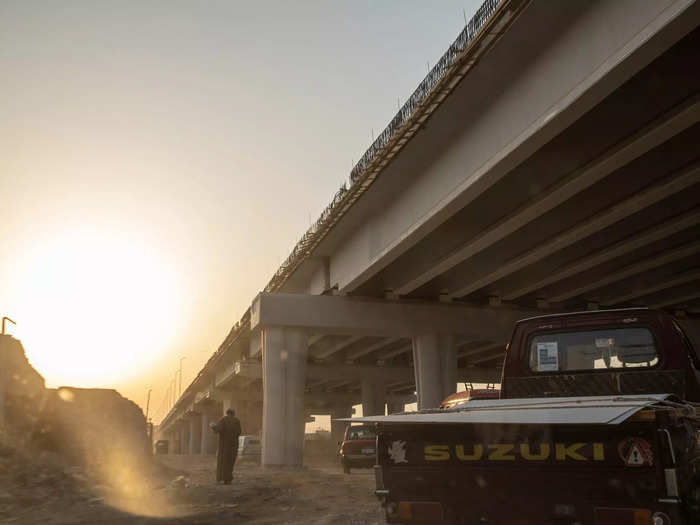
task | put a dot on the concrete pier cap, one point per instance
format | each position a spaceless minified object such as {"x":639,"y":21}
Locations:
{"x":282,"y":322}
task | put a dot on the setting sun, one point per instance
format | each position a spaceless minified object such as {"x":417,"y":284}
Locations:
{"x":96,"y":307}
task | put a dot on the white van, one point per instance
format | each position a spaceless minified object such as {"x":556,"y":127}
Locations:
{"x":249,"y":448}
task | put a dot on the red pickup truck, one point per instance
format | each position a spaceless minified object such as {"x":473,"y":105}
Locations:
{"x":598,"y":424}
{"x":358,"y":448}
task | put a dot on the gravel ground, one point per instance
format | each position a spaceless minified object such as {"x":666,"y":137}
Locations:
{"x":181,"y":490}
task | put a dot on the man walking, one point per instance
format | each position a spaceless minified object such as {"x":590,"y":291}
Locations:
{"x":228,"y":428}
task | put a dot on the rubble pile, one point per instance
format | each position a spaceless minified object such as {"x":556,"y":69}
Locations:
{"x":22,"y":388}
{"x":29,"y":480}
{"x":92,"y":426}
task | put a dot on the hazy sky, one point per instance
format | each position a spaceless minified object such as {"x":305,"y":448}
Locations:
{"x":161,"y":158}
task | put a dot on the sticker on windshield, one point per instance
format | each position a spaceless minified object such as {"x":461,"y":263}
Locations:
{"x":547,"y":357}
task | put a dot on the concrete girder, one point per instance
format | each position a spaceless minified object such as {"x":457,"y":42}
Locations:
{"x":315,"y":338}
{"x":647,"y":139}
{"x":639,"y":240}
{"x":630,"y":270}
{"x":678,"y":300}
{"x":340,"y":384}
{"x":684,"y":278}
{"x":325,"y":354}
{"x":639,"y":202}
{"x":489,"y":357}
{"x":479,"y":349}
{"x":371,"y":348}
{"x":324,"y":400}
{"x":316,"y":384}
{"x":388,"y":354}
{"x":354,"y":316}
{"x":592,"y":73}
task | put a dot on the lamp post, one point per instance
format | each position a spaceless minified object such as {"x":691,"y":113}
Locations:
{"x":3,"y":323}
{"x":148,"y":402}
{"x":180,"y":372}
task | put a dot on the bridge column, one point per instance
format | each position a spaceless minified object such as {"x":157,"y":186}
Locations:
{"x":284,"y":374}
{"x":179,"y":439}
{"x":435,"y":365}
{"x":209,"y":437}
{"x":172,"y":442}
{"x":184,"y":436}
{"x":254,"y":411}
{"x":373,"y":397}
{"x":195,"y":431}
{"x":241,"y":408}
{"x":393,"y":406}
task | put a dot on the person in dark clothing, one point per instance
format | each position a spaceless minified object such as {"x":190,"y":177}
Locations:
{"x":228,"y":428}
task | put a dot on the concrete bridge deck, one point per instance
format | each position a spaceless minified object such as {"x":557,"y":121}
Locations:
{"x":548,"y":163}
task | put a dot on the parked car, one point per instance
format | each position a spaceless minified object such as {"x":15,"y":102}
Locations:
{"x":249,"y":448}
{"x":358,"y":449}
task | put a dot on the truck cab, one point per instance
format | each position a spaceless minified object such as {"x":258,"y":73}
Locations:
{"x":631,"y":351}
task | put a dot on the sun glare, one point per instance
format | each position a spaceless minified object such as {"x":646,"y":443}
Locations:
{"x":96,"y":308}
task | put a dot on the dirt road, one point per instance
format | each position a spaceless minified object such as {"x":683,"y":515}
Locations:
{"x":184,"y":493}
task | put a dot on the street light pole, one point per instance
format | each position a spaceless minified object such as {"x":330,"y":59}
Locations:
{"x":148,"y":402}
{"x":180,"y":371}
{"x":3,"y":323}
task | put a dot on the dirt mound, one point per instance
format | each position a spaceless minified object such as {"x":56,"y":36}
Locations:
{"x":29,"y":479}
{"x":21,"y":387}
{"x":92,"y":426}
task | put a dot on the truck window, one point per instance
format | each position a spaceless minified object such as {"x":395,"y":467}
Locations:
{"x":593,"y":350}
{"x":361,"y":433}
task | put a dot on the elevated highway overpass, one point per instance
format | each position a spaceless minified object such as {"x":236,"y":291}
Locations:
{"x":549,"y":162}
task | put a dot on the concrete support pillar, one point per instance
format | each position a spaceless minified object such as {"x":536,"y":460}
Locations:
{"x":179,"y":439}
{"x":184,"y":433}
{"x":284,"y":375}
{"x":209,"y":437}
{"x":435,"y":365}
{"x":338,"y":427}
{"x":254,"y":417}
{"x":228,"y":402}
{"x":195,"y":441}
{"x":241,"y":408}
{"x":393,"y":406}
{"x":373,"y":397}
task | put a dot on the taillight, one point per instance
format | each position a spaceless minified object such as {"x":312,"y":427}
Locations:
{"x":420,"y":511}
{"x":624,"y":517}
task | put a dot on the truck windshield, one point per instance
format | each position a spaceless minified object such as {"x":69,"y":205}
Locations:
{"x":593,"y":350}
{"x":361,"y":433}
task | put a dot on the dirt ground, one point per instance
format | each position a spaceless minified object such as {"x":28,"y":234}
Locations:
{"x":180,"y":490}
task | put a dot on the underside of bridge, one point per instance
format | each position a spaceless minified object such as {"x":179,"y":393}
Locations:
{"x":595,"y":203}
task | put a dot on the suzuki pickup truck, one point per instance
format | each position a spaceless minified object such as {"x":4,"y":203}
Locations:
{"x":597,"y":424}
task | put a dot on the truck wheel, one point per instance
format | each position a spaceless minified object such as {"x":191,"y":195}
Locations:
{"x":346,"y":468}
